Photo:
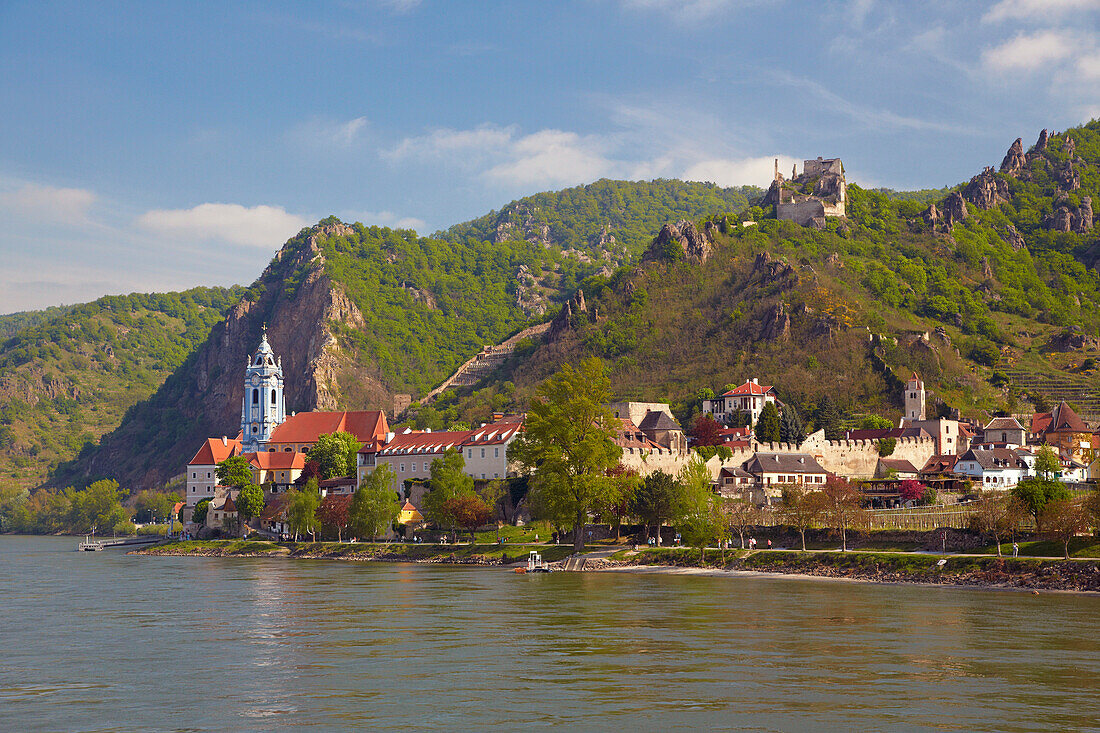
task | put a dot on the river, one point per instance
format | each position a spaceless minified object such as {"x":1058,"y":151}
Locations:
{"x":106,"y":641}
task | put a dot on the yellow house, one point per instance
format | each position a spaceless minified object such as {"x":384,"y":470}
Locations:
{"x":409,"y":515}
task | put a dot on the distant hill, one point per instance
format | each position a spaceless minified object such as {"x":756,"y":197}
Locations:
{"x":68,"y":375}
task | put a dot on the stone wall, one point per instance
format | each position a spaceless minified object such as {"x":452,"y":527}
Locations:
{"x":802,"y":212}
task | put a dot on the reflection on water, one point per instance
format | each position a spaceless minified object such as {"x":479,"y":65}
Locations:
{"x":103,"y":641}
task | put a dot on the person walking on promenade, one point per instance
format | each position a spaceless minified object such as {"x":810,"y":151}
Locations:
{"x":1015,"y":549}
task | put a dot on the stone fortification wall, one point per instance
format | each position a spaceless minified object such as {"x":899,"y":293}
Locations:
{"x":801,"y":212}
{"x":850,"y":458}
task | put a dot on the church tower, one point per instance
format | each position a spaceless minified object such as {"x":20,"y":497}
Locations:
{"x":914,"y":399}
{"x":262,"y":409}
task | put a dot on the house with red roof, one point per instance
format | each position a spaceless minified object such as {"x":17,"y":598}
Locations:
{"x":485,"y":450}
{"x":410,"y":453}
{"x":299,"y":432}
{"x":748,"y":398}
{"x":201,"y":480}
{"x":276,"y":471}
{"x":1063,"y":429}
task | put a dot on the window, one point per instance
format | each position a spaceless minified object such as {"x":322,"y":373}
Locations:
{"x":402,"y":468}
{"x":496,"y":452}
{"x":482,"y":455}
{"x":273,"y":397}
{"x":255,"y":396}
{"x":255,"y":429}
{"x":194,"y":475}
{"x":469,"y":452}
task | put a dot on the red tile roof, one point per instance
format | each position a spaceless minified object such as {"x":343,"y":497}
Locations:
{"x":229,"y":505}
{"x":749,"y":388}
{"x":495,"y":434}
{"x":630,"y":435}
{"x":367,"y":426}
{"x":940,"y":464}
{"x":421,"y":442}
{"x":277,"y":460}
{"x":213,"y":452}
{"x":1063,"y":418}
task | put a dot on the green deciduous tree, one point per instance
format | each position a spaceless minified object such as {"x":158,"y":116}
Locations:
{"x":335,"y":454}
{"x":1047,"y":464}
{"x":701,"y":518}
{"x":448,"y":481}
{"x":1035,"y":493}
{"x":301,"y":510}
{"x":198,"y":516}
{"x":767,"y":425}
{"x":234,"y":472}
{"x":374,"y":505}
{"x":568,"y":443}
{"x":659,"y":499}
{"x":250,"y":502}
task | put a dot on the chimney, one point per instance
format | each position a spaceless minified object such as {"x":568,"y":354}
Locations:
{"x":755,"y":381}
{"x":225,"y":440}
{"x":427,"y":430}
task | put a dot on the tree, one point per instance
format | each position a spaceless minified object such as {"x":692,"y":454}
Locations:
{"x":301,"y":510}
{"x":1047,"y":464}
{"x":843,"y":506}
{"x":911,"y":490}
{"x":448,"y":481}
{"x":568,"y":442}
{"x":153,"y":505}
{"x":234,"y":472}
{"x":1063,"y":519}
{"x":99,"y":505}
{"x":997,"y":517}
{"x":374,"y":505}
{"x":705,"y":431}
{"x":791,"y":429}
{"x":250,"y":502}
{"x":658,"y":499}
{"x":311,"y":470}
{"x":619,"y":503}
{"x":493,"y":494}
{"x":741,"y":513}
{"x":886,"y":446}
{"x":802,"y":509}
{"x":469,"y":512}
{"x":1035,"y":493}
{"x":335,"y":454}
{"x":1092,"y":505}
{"x":875,"y":422}
{"x":199,"y":514}
{"x":701,"y":517}
{"x":335,"y":512}
{"x":828,"y":417}
{"x":767,"y":425}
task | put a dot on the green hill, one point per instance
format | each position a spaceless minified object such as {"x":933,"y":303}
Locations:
{"x":71,"y":375}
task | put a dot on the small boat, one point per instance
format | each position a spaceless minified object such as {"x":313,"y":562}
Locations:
{"x":535,"y":563}
{"x":89,"y":545}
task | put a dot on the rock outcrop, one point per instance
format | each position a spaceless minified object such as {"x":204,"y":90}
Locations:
{"x":680,"y":240}
{"x":777,"y":324}
{"x":1072,"y":339}
{"x":931,"y":215}
{"x":954,"y":210}
{"x":1013,"y":238}
{"x":1014,"y":159}
{"x":986,"y":190}
{"x":1068,"y":177}
{"x":564,"y":320}
{"x":1082,"y":218}
{"x":768,"y":269}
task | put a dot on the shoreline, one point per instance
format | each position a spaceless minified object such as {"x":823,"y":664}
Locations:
{"x":883,"y":568}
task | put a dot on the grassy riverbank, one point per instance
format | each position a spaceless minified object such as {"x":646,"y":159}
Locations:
{"x":883,"y":567}
{"x":461,"y":554}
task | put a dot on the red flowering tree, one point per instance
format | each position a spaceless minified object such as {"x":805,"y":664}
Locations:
{"x":469,"y":512}
{"x":705,"y":431}
{"x":911,"y":490}
{"x":333,"y":512}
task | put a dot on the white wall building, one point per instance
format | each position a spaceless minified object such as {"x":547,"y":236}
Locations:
{"x":749,"y":398}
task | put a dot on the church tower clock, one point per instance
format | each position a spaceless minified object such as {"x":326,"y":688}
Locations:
{"x":262,"y":409}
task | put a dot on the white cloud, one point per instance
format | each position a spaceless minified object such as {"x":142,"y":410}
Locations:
{"x":689,"y":10}
{"x":1031,"y":51}
{"x":1089,"y":66}
{"x":320,"y":132}
{"x":1037,"y":9}
{"x":258,"y":226}
{"x":483,"y":139}
{"x":385,"y":219}
{"x":739,"y":172}
{"x":48,"y":203}
{"x":552,"y":157}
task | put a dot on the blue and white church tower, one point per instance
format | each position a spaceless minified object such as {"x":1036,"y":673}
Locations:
{"x":263,"y":408}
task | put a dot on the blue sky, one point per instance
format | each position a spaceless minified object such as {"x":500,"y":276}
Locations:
{"x":155,"y":146}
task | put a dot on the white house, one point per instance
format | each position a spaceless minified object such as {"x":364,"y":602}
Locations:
{"x":200,"y":469}
{"x":993,"y":468}
{"x":486,"y":450}
{"x":749,"y":398}
{"x":1006,"y":431}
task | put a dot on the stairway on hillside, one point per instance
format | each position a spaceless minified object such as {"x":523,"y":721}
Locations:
{"x":486,"y":362}
{"x":1083,"y":394}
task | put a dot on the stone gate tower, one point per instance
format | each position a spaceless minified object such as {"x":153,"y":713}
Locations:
{"x":263,"y":408}
{"x":914,"y":398}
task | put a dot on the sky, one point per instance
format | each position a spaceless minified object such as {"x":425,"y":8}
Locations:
{"x":160,"y":146}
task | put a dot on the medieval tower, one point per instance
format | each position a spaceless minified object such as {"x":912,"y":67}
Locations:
{"x":914,"y":398}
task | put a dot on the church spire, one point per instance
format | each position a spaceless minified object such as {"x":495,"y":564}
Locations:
{"x":263,"y":408}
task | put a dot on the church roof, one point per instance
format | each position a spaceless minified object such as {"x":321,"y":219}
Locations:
{"x":658,"y":420}
{"x":368,"y":426}
{"x":214,"y":451}
{"x":268,"y":460}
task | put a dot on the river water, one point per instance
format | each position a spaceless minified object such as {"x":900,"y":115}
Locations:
{"x":106,"y":641}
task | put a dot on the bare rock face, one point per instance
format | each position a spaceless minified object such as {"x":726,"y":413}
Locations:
{"x":777,"y":324}
{"x":1013,"y":238}
{"x":987,"y":269}
{"x":954,"y":209}
{"x":772,"y":196}
{"x":931,"y":215}
{"x":528,"y":229}
{"x":1014,"y":159}
{"x":771,"y":270}
{"x":827,"y":326}
{"x":1060,"y":221}
{"x":1082,"y":218}
{"x":1069,"y":146}
{"x":1041,"y":143}
{"x":564,"y":320}
{"x":693,"y":244}
{"x":1068,"y":177}
{"x":986,"y":190}
{"x":833,"y":260}
{"x":1072,"y":339}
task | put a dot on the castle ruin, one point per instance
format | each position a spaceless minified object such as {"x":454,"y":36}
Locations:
{"x":807,"y":199}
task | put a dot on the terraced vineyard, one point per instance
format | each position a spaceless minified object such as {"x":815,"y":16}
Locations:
{"x":1082,"y":393}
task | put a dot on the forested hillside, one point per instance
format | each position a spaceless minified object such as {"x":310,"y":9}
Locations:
{"x":72,"y":374}
{"x":992,"y":308}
